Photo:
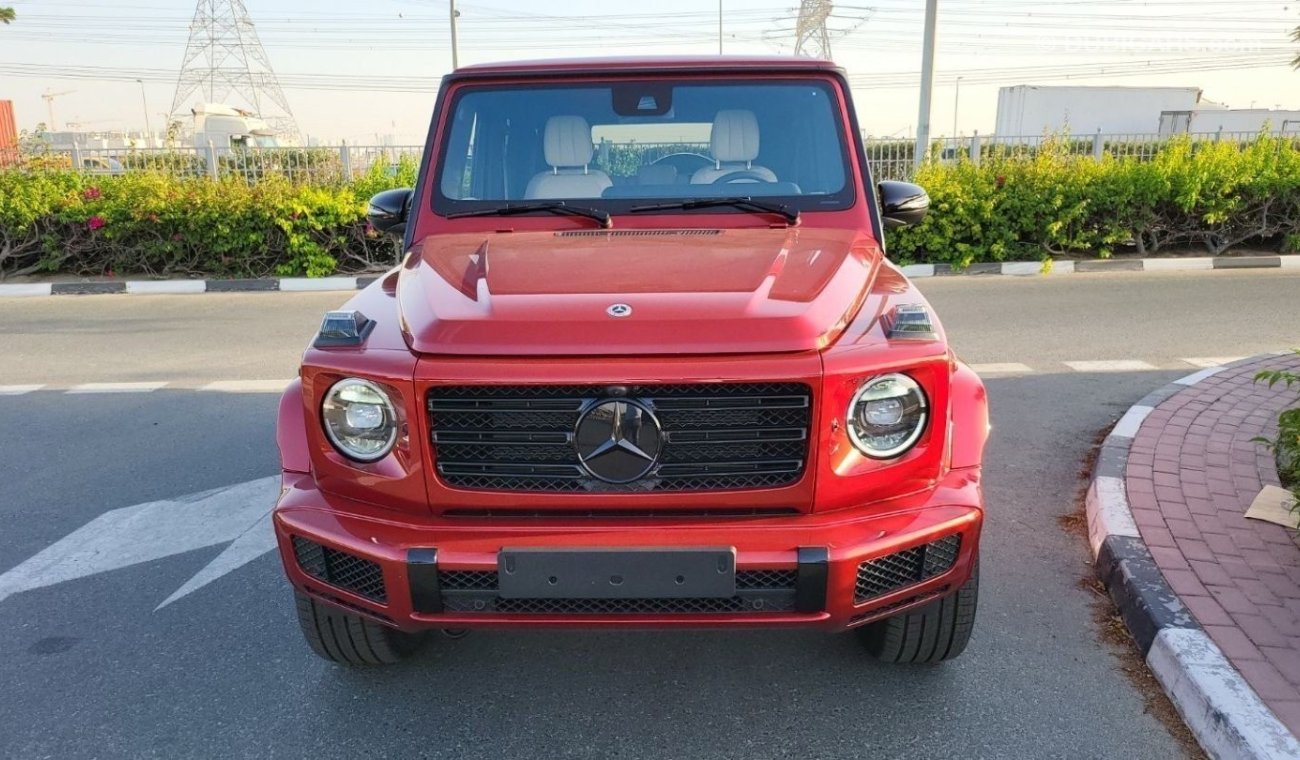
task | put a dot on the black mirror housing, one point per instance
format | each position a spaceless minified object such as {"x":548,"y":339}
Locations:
{"x":902,"y":204}
{"x":387,"y":212}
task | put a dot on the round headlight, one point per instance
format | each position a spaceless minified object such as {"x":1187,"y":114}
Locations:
{"x":887,"y":416}
{"x":359,"y":419}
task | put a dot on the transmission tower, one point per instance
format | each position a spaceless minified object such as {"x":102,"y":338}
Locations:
{"x":225,"y":63}
{"x":811,"y":37}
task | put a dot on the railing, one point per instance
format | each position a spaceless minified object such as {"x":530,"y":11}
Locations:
{"x":889,"y":158}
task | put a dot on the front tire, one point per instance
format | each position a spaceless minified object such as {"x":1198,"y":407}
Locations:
{"x":349,"y":639}
{"x":932,"y":634}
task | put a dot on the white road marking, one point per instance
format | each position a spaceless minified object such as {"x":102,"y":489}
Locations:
{"x":1001,"y":368}
{"x":115,"y":388}
{"x":1110,"y":365}
{"x":147,"y":532}
{"x":246,"y":386}
{"x":1211,"y":361}
{"x":18,"y":390}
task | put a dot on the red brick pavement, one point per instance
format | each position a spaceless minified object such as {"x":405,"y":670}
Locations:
{"x":1192,"y":472}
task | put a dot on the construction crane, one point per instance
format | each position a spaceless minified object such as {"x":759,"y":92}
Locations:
{"x":49,"y":97}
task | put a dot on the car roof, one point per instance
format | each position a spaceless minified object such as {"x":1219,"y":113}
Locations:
{"x":646,"y":64}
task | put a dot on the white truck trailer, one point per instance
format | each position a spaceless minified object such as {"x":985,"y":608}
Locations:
{"x":1031,"y":111}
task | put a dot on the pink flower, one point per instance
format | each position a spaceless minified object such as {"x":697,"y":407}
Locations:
{"x":95,"y":222}
{"x":177,"y":237}
{"x":91,"y":193}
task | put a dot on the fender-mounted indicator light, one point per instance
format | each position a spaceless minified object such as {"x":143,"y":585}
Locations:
{"x":909,"y":321}
{"x":343,"y":329}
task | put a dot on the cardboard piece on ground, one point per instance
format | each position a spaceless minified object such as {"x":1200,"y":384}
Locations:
{"x":1273,"y":504}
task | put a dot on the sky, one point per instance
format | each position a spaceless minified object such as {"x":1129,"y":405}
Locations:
{"x":371,"y":74}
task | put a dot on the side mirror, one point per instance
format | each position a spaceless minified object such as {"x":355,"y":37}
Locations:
{"x":902,"y":204}
{"x":387,"y":211}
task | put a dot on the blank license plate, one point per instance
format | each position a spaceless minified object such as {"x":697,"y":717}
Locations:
{"x":616,"y":574}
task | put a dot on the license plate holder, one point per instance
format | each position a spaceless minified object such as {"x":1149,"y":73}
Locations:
{"x":641,"y":573}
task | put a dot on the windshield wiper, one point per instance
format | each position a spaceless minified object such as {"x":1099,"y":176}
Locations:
{"x":740,"y":202}
{"x":555,"y":207}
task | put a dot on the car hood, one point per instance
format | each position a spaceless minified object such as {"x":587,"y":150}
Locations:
{"x":633,"y":292}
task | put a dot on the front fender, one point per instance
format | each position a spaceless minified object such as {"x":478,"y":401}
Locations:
{"x":970,"y":417}
{"x":291,"y":430}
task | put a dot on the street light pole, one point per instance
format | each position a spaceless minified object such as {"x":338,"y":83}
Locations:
{"x":956,"y":102}
{"x":148,"y":131}
{"x":719,"y":27}
{"x":927,"y":83}
{"x":455,"y":62}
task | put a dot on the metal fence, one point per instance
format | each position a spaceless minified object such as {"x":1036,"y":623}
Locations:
{"x":889,"y":158}
{"x":893,"y":158}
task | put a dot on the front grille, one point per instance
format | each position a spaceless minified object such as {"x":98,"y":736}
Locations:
{"x":757,"y":591}
{"x":891,"y":572}
{"x":340,"y":569}
{"x":724,"y":436}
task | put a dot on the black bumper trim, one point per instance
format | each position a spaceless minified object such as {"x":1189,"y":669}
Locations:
{"x":422,"y":574}
{"x":811,"y":578}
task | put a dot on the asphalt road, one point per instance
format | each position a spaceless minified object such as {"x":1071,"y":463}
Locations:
{"x":91,"y":667}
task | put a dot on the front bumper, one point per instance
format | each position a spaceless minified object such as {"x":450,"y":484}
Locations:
{"x":832,"y":570}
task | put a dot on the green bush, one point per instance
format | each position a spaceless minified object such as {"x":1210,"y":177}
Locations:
{"x":1049,"y":202}
{"x":1287,"y":445}
{"x":155,"y":224}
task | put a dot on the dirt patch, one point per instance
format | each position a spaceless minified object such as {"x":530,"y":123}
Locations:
{"x":1111,"y":628}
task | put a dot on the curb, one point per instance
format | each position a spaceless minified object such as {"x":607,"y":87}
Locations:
{"x":914,"y":271}
{"x":1030,"y":268}
{"x":1224,"y":713}
{"x":178,"y":287}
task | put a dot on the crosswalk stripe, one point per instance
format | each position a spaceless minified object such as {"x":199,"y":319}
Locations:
{"x":245,"y":386}
{"x":1001,"y":368}
{"x":18,"y":390}
{"x":1205,"y":362}
{"x":115,"y":388}
{"x":1110,"y":365}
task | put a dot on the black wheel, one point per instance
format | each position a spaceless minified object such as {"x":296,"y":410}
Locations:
{"x":934,"y":633}
{"x":350,"y":639}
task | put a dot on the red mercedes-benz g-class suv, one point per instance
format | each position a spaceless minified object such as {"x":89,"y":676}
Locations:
{"x":644,"y":363}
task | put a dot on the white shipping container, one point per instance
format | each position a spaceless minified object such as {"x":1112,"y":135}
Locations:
{"x":1032,"y":110}
{"x":1238,"y":120}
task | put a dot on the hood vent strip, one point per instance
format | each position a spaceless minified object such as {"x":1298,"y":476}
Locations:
{"x":638,"y":233}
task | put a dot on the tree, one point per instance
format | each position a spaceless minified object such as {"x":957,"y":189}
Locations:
{"x":6,"y":15}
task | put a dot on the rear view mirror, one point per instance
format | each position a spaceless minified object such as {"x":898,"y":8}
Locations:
{"x":387,"y":211}
{"x":902,"y":204}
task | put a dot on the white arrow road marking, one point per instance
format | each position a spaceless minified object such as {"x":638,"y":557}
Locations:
{"x":146,"y":532}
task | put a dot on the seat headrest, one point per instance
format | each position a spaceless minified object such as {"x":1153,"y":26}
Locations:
{"x":735,"y":136}
{"x":567,"y":141}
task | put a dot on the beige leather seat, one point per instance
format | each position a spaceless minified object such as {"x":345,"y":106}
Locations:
{"x":734,"y":145}
{"x":566,"y":144}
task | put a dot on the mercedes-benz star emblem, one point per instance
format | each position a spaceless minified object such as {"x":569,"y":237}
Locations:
{"x":619,"y":310}
{"x":618,"y":441}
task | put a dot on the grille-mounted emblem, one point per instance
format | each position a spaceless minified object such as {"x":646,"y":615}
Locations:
{"x":619,"y":310}
{"x":618,"y":441}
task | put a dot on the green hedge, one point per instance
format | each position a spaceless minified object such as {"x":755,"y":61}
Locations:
{"x":1212,"y":194}
{"x":155,"y":224}
{"x":1047,"y":203}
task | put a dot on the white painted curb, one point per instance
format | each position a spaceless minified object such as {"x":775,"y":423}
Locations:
{"x":1021,"y":268}
{"x":1226,"y":715}
{"x":1108,"y":512}
{"x":1171,"y":265}
{"x":1197,"y":377}
{"x":161,"y":287}
{"x":1290,"y":262}
{"x":919,"y":270}
{"x":25,"y":289}
{"x":305,"y":284}
{"x":1128,"y":425}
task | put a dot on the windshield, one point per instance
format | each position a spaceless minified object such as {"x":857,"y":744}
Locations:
{"x":624,"y":144}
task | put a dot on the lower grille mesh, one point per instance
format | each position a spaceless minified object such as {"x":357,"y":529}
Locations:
{"x":340,"y":569}
{"x":757,"y":591}
{"x":891,"y":572}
